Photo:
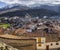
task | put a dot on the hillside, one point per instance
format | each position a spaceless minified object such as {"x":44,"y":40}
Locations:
{"x":33,"y":12}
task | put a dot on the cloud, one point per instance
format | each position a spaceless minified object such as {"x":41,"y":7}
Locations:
{"x":29,"y":2}
{"x":9,"y":1}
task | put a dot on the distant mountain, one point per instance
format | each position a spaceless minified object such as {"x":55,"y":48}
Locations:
{"x":34,"y":6}
{"x":16,"y":5}
{"x":46,"y":6}
{"x":13,"y":7}
{"x":33,"y":10}
{"x":2,"y":4}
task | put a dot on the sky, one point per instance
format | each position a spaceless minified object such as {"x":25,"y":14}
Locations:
{"x":29,"y":2}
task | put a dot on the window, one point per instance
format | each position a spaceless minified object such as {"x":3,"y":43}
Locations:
{"x":57,"y":43}
{"x":51,"y":44}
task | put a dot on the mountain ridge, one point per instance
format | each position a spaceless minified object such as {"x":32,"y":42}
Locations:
{"x":21,"y":10}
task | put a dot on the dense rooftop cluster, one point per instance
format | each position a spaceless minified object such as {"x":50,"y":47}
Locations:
{"x":28,"y":26}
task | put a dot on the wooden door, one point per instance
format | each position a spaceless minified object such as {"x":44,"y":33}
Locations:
{"x":47,"y":47}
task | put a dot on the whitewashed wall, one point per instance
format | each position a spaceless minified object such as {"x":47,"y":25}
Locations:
{"x":44,"y":44}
